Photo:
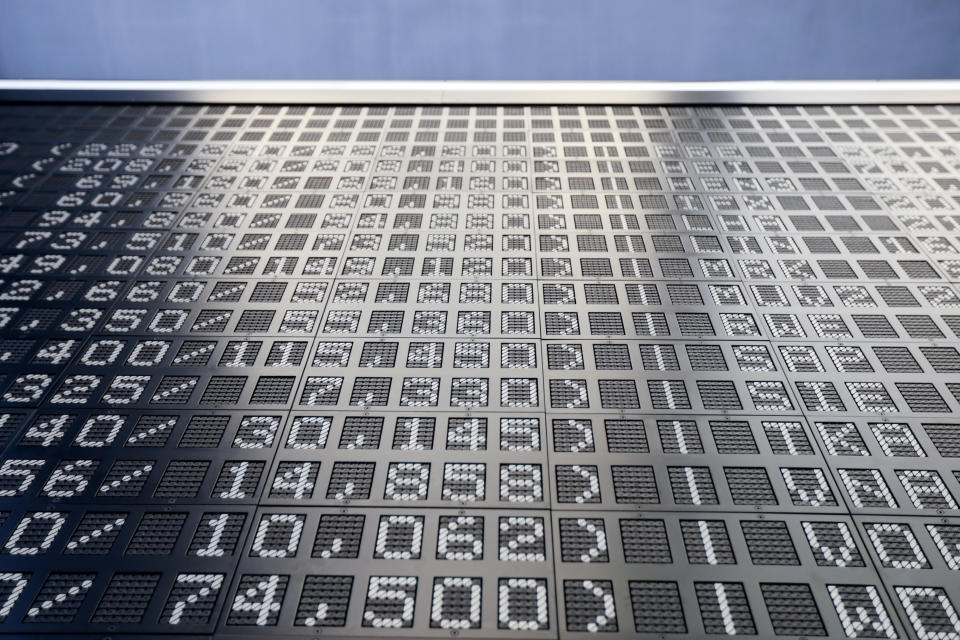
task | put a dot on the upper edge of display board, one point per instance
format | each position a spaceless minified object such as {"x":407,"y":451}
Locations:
{"x":467,"y":92}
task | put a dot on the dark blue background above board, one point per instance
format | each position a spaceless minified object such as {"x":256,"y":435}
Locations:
{"x":480,"y":39}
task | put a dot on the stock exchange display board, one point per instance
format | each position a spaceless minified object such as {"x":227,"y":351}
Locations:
{"x":479,"y":371}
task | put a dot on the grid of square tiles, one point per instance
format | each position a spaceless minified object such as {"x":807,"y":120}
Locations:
{"x":529,"y":371}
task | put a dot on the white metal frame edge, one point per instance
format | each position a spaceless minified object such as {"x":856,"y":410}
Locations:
{"x":483,"y":92}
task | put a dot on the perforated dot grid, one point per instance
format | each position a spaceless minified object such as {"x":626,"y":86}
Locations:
{"x":620,"y":369}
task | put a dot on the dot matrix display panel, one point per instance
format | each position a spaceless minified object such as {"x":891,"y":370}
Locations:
{"x":485,"y":371}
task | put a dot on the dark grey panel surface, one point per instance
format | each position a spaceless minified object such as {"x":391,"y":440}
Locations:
{"x":479,"y":371}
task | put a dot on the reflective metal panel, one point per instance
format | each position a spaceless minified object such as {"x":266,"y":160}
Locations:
{"x":483,"y":371}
